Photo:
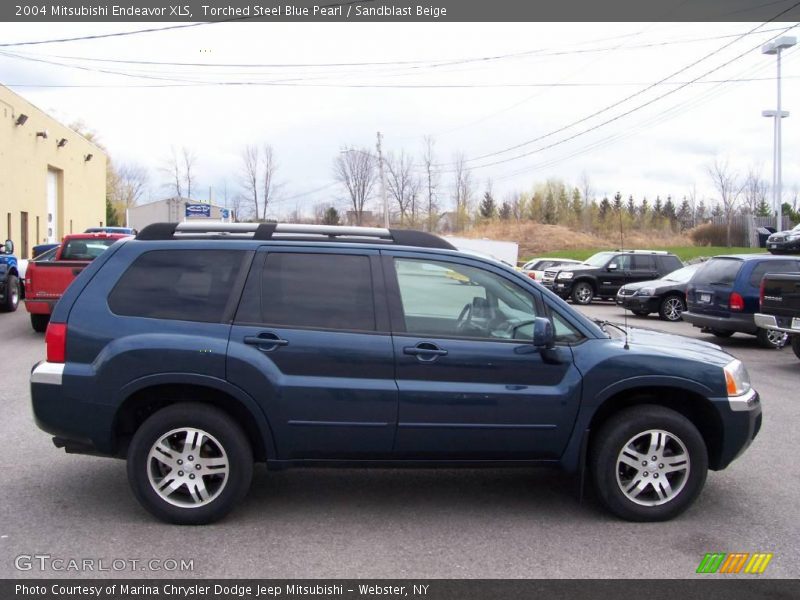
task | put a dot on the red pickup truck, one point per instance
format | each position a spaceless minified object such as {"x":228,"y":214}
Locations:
{"x":46,"y":281}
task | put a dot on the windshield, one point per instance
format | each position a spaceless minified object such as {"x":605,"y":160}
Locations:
{"x":682,"y":275}
{"x":599,"y":259}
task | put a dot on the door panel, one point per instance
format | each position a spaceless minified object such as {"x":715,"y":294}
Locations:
{"x":477,"y":391}
{"x":328,"y":391}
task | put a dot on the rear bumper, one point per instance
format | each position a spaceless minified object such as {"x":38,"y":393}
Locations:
{"x":736,"y":322}
{"x":40,"y":307}
{"x":782,"y":324}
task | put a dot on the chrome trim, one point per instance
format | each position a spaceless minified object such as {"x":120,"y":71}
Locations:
{"x":47,"y":373}
{"x":745,"y":402}
{"x":770,"y":322}
{"x":285,"y":228}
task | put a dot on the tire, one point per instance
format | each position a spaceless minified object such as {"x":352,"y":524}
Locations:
{"x":671,"y":308}
{"x":640,"y":313}
{"x":11,"y":302}
{"x":635,"y":430}
{"x":721,"y":333}
{"x":582,"y":293}
{"x":770,"y":339}
{"x":227,"y":464}
{"x":796,"y":345}
{"x":40,"y":322}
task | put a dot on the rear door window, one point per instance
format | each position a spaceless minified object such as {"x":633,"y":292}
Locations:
{"x":718,"y":271}
{"x":181,"y":285}
{"x":772,"y":266}
{"x":643,"y":263}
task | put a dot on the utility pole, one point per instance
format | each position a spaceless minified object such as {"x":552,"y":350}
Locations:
{"x":383,"y":183}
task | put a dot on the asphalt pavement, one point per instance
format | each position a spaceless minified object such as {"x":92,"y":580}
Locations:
{"x":463,"y":523}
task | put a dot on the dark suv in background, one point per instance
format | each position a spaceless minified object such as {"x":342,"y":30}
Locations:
{"x":197,"y":349}
{"x":605,"y":272}
{"x":723,"y":296}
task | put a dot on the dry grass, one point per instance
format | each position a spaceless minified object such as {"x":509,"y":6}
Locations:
{"x":536,"y":239}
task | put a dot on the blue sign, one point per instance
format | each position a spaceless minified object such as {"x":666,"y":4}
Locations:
{"x":198,"y":210}
{"x":226,"y":213}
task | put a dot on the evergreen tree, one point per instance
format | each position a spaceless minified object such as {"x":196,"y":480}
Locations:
{"x":631,"y":206}
{"x":488,"y":208}
{"x":550,"y":211}
{"x":577,"y":202}
{"x":658,"y":208}
{"x":644,"y":209}
{"x":685,"y":214}
{"x":617,"y":202}
{"x":331,"y":216}
{"x":505,"y":211}
{"x":112,"y":218}
{"x":669,"y":209}
{"x":717,"y":210}
{"x":700,"y":212}
{"x":605,"y":208}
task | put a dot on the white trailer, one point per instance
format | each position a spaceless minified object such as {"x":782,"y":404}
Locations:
{"x":507,"y":252}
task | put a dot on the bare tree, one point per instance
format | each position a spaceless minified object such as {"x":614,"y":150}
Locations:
{"x":131,"y":182}
{"x":354,"y":168}
{"x":431,"y":180}
{"x":403,"y":185}
{"x":172,"y":167}
{"x":189,"y":161}
{"x":726,"y":182}
{"x":269,"y":185}
{"x":755,"y":189}
{"x":462,"y":190}
{"x":249,"y":177}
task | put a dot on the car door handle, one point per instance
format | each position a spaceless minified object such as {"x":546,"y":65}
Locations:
{"x":266,"y":342}
{"x":425,"y":351}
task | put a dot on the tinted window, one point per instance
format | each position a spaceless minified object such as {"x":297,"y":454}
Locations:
{"x":718,"y":271}
{"x":669,"y":263}
{"x":87,"y":249}
{"x":461,"y":301}
{"x":772,"y":266}
{"x":643,"y":263}
{"x":322,"y":291}
{"x":183,"y":285}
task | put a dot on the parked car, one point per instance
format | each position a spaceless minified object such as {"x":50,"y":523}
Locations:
{"x":605,"y":272}
{"x":665,"y":296}
{"x":780,"y":306}
{"x":723,"y":296}
{"x":123,"y":230}
{"x":47,"y":277}
{"x":785,"y":242}
{"x":535,"y":268}
{"x":247,"y":356}
{"x":9,"y":278}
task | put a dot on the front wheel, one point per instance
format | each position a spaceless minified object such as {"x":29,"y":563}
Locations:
{"x":11,"y":301}
{"x":39,"y":322}
{"x":771,"y":339}
{"x":796,"y":345}
{"x":582,"y":293}
{"x":189,"y":464}
{"x":648,"y":463}
{"x":721,"y":333}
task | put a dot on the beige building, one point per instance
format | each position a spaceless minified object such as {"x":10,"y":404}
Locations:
{"x":52,"y":179}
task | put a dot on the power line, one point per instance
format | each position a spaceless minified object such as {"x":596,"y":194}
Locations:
{"x":107,"y":35}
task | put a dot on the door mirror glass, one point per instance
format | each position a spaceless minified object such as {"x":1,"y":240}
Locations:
{"x":543,"y":336}
{"x":8,"y":247}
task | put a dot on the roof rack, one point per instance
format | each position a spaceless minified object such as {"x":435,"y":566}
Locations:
{"x":643,"y":251}
{"x":291,"y":231}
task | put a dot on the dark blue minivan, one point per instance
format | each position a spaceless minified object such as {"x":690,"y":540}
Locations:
{"x":722,"y":296}
{"x":195,"y":350}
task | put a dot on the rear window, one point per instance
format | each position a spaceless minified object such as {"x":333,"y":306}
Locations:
{"x":772,"y":266}
{"x":88,"y":249}
{"x":718,"y":271}
{"x":181,"y":285}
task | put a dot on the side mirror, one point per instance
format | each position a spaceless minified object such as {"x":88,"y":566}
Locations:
{"x":543,"y":335}
{"x":612,"y":267}
{"x":8,"y":247}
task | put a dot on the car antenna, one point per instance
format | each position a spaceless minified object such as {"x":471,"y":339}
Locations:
{"x":622,"y":248}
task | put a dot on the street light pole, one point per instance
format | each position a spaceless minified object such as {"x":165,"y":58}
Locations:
{"x":780,"y":44}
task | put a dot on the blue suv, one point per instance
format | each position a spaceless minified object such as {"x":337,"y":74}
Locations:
{"x":196,"y":349}
{"x":723,"y":295}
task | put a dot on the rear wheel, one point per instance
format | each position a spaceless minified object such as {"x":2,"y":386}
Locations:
{"x":582,"y":293}
{"x":648,"y":463}
{"x":189,"y":464}
{"x":12,"y":295}
{"x":771,"y":339}
{"x":796,"y":345}
{"x":671,"y":308}
{"x":40,"y":322}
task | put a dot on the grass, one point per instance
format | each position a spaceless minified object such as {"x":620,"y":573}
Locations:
{"x":683,"y":252}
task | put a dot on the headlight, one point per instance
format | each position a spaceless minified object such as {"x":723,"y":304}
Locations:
{"x":793,"y":236}
{"x":737,"y":380}
{"x":646,"y":292}
{"x":565,"y":275}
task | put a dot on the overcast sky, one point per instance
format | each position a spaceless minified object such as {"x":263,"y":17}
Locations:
{"x":536,"y":79}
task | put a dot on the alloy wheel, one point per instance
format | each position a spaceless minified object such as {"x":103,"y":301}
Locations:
{"x":673,"y":308}
{"x":653,"y":467}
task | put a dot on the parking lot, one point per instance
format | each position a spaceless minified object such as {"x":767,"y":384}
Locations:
{"x":502,"y":523}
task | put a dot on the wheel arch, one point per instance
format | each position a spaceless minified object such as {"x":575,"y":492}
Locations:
{"x":140,"y":399}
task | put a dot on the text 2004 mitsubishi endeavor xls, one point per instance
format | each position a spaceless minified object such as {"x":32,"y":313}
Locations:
{"x":195,"y":350}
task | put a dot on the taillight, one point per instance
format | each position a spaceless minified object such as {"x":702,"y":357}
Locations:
{"x":761,"y":294}
{"x":736,"y":302}
{"x":56,"y":341}
{"x":532,"y":275}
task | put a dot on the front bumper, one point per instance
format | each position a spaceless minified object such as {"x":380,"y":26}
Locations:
{"x":736,"y":322}
{"x":783,"y":324}
{"x":784,"y":247}
{"x":638,"y":303}
{"x":741,"y":416}
{"x":562,"y":288}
